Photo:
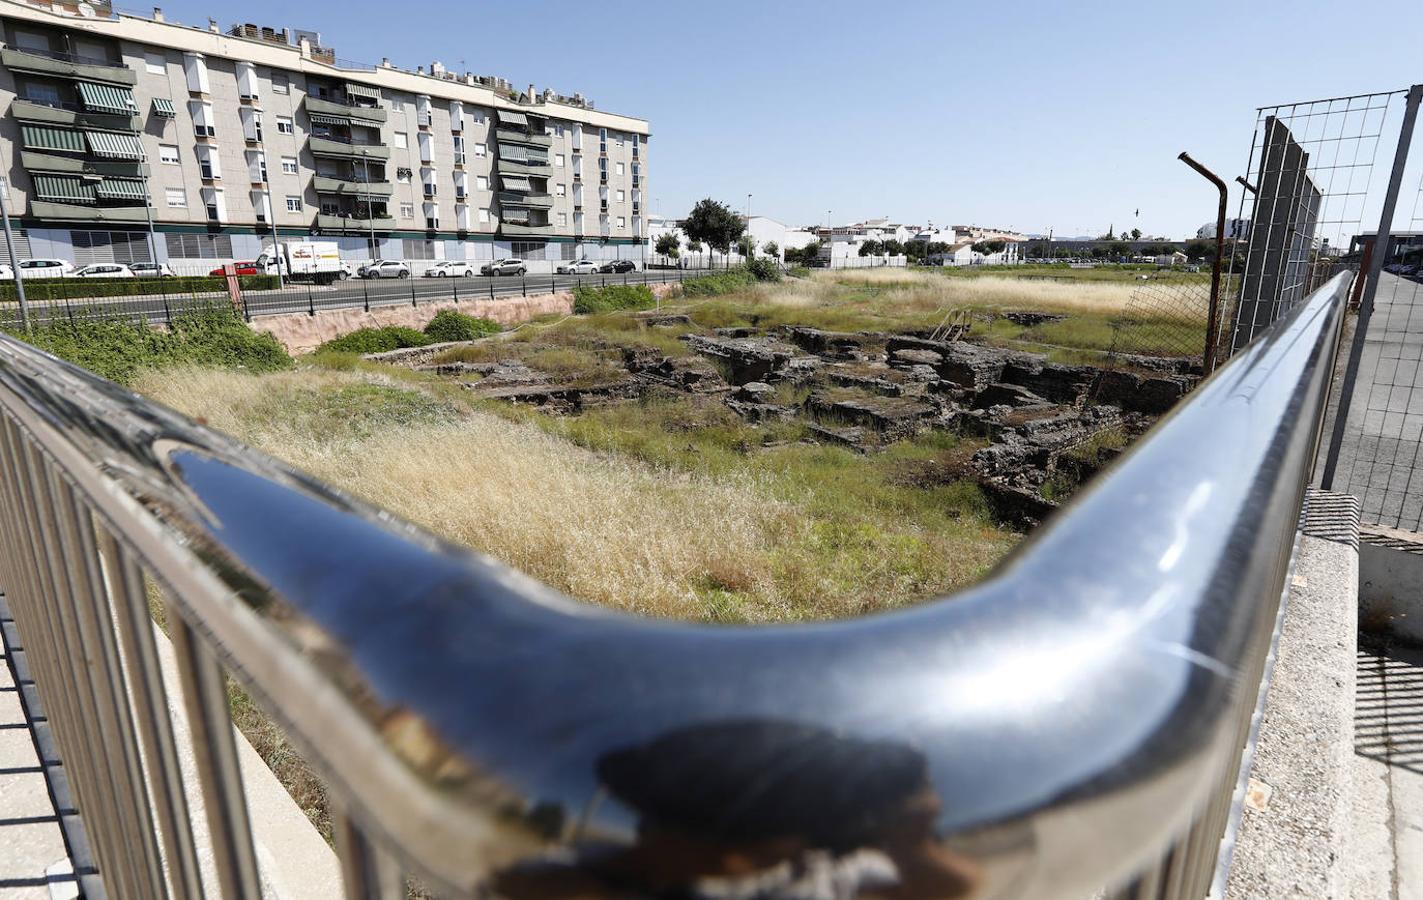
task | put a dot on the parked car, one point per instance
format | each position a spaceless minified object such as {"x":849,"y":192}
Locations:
{"x":151,"y":270}
{"x":6,"y":272}
{"x":245,"y":267}
{"x":449,"y":269}
{"x":504,"y":267}
{"x":347,"y":271}
{"x":105,"y":270}
{"x":581,"y":267}
{"x":386,"y":268}
{"x":46,"y":268}
{"x":616,"y":266}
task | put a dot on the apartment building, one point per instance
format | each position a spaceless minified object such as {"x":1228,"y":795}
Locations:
{"x":128,"y":138}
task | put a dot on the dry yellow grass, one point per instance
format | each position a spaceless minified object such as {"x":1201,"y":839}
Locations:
{"x":594,"y":526}
{"x":926,"y":290}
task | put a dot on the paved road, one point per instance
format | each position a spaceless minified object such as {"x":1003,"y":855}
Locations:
{"x":159,"y":308}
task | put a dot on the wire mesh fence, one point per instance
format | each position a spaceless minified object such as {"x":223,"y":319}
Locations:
{"x":1166,"y":315}
{"x":1380,"y":438}
{"x":159,"y":301}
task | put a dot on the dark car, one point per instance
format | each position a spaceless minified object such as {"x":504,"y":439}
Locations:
{"x":616,"y":266}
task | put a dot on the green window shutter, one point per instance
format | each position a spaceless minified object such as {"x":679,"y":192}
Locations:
{"x":324,"y":119}
{"x":113,"y":145}
{"x":509,"y":117}
{"x":42,"y":137}
{"x":364,"y":91}
{"x":163,"y":107}
{"x":60,"y":189}
{"x":106,"y":98}
{"x":121,"y":189}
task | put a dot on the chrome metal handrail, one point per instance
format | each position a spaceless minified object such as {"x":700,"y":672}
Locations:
{"x":1072,"y":723}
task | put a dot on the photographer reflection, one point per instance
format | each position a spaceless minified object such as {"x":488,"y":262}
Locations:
{"x":758,"y":810}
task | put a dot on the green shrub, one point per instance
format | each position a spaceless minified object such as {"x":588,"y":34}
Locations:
{"x":376,"y":340}
{"x":612,"y":298}
{"x":764,"y":269}
{"x":728,"y":282}
{"x":116,"y":348}
{"x":87,"y":288}
{"x":450,"y":325}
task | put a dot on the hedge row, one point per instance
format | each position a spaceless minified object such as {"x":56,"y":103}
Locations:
{"x":611,"y":298}
{"x":87,"y":288}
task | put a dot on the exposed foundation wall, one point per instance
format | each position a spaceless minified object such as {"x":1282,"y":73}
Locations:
{"x":302,"y":332}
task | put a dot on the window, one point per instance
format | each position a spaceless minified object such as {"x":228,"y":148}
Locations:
{"x":558,"y":130}
{"x":330,"y":208}
{"x":622,"y":223}
{"x":196,"y":68}
{"x":199,"y":246}
{"x":562,"y":219}
{"x":201,"y":112}
{"x":285,"y":126}
{"x":480,"y":149}
{"x":558,"y":159}
{"x":402,"y":175}
{"x":280,"y":85}
{"x":209,"y":165}
{"x":289,"y":165}
{"x":459,"y":150}
{"x":177,"y":198}
{"x":47,"y":94}
{"x":168,"y":154}
{"x":293,"y":204}
{"x":155,"y":63}
{"x":215,"y":204}
{"x":481,"y":182}
{"x":402,"y":140}
{"x":621,"y":196}
{"x":29,"y":40}
{"x":620,"y":169}
{"x":559,"y":190}
{"x":414,"y":248}
{"x":407,"y":210}
{"x":484,"y":217}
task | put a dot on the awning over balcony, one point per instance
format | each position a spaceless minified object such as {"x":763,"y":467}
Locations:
{"x":163,"y":107}
{"x":40,"y":137}
{"x":516,"y":216}
{"x":324,"y":119}
{"x":121,"y":189}
{"x":364,"y":91}
{"x":509,"y":117}
{"x":110,"y":145}
{"x":515,"y":183}
{"x":106,"y":98}
{"x":63,"y":190}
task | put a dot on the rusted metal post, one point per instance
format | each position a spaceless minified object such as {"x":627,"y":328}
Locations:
{"x":1213,"y":314}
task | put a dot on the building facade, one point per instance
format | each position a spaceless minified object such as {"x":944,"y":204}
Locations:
{"x":222,"y":140}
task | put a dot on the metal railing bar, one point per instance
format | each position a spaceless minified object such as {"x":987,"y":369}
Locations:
{"x":215,"y":751}
{"x":1060,"y":670}
{"x":135,"y":627}
{"x":112,"y":693}
{"x":86,"y":766}
{"x":367,"y":872}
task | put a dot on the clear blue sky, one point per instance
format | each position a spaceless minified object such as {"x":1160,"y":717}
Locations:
{"x":1024,"y":115}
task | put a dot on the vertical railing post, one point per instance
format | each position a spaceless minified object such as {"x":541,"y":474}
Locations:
{"x":411,"y":279}
{"x":366,"y":294}
{"x":310,"y":301}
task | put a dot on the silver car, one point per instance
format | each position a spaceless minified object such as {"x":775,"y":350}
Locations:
{"x":581,"y":267}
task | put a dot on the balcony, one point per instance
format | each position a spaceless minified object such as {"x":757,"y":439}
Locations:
{"x":339,"y":222}
{"x":45,"y":209}
{"x":339,"y":149}
{"x":515,"y":230}
{"x":322,"y":107}
{"x":530,"y":200}
{"x":511,"y":167}
{"x":328,"y":184}
{"x":34,"y":161}
{"x":67,"y":65}
{"x":72,"y":114}
{"x":515,"y":136}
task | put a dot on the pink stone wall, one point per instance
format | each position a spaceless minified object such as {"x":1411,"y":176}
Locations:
{"x":302,"y":333}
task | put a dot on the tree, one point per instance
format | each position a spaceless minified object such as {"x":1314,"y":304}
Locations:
{"x":1136,"y":234}
{"x":870,"y":248}
{"x":694,"y":246}
{"x":771,"y":249}
{"x":746,"y":246}
{"x":1198,"y":249}
{"x":805,"y":256}
{"x":891,"y":247}
{"x":981,"y":247}
{"x":936,"y":248}
{"x":668,"y":244}
{"x":714,"y":224}
{"x":1119,"y":249}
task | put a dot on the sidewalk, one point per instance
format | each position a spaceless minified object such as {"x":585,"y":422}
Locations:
{"x":1388,"y":743}
{"x":34,"y":860}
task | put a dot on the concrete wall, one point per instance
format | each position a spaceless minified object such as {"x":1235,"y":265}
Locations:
{"x":1390,"y":572}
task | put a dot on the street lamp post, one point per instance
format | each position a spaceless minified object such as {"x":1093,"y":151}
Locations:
{"x":370,"y":210}
{"x":14,"y":260}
